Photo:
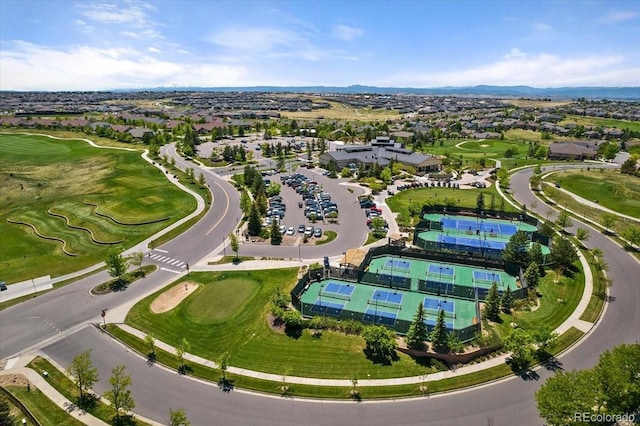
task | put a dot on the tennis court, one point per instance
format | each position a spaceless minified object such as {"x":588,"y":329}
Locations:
{"x":397,"y":264}
{"x":471,"y":242}
{"x":337,"y":290}
{"x":380,"y":317}
{"x":439,"y":269}
{"x":482,"y":225}
{"x":395,"y":308}
{"x":327,"y":308}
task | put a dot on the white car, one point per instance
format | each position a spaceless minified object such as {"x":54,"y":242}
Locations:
{"x":291,"y":231}
{"x":282,"y":229}
{"x":309,"y":231}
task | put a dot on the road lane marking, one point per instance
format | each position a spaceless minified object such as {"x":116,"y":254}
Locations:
{"x":162,"y":251}
{"x":171,"y":270}
{"x":226,"y":210}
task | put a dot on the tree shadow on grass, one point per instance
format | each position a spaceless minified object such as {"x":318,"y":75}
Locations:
{"x":87,"y":402}
{"x":185,"y":369}
{"x":119,"y":284}
{"x":382,"y":359}
{"x":124,"y":420}
{"x":293,"y":332}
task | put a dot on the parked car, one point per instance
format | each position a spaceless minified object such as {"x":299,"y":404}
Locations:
{"x":301,"y":229}
{"x":291,"y":231}
{"x":317,"y":233}
{"x":3,"y":286}
{"x":309,"y":231}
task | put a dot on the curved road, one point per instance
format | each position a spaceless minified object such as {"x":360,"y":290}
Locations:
{"x":156,"y":390}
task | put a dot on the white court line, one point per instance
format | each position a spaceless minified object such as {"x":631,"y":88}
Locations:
{"x":171,"y":270}
{"x":161,"y":251}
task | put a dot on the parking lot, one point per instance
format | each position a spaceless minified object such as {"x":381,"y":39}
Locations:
{"x":302,"y":196}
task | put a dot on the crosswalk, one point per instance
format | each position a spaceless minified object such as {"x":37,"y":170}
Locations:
{"x":168,"y":260}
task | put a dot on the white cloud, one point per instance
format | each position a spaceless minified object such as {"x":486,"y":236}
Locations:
{"x":110,"y":13}
{"x":620,"y":16}
{"x":540,"y":70}
{"x":256,"y":38}
{"x":515,"y":53}
{"x":347,"y":33}
{"x":541,"y":27}
{"x":26,"y":66}
{"x":154,"y":50}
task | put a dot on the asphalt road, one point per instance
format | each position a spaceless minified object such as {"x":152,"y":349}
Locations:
{"x":156,"y":390}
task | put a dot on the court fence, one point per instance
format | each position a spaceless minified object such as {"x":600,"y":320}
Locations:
{"x":486,"y":213}
{"x":400,"y":326}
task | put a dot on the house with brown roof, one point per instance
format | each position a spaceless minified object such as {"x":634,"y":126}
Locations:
{"x":572,"y":151}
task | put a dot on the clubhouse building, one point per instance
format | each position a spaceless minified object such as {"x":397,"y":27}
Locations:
{"x":381,"y":150}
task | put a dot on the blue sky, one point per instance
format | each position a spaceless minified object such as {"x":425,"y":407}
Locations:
{"x":95,"y":45}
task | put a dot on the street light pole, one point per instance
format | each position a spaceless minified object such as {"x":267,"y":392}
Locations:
{"x":224,"y":250}
{"x":34,"y":287}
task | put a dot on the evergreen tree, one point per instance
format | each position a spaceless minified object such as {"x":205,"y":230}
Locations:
{"x":439,"y":337}
{"x":507,"y":300}
{"x":535,"y":254}
{"x":480,"y":203}
{"x":492,"y":304}
{"x":418,"y":332}
{"x":532,"y":275}
{"x":276,"y":235}
{"x":254,"y":225}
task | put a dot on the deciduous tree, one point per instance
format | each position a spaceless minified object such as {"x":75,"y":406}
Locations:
{"x":234,"y":243}
{"x":120,"y":395}
{"x":85,"y":374}
{"x":116,"y":265}
{"x":380,"y":343}
{"x":178,"y":418}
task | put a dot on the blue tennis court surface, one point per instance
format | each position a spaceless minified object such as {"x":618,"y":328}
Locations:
{"x":380,"y":317}
{"x":474,"y":225}
{"x":386,"y":296}
{"x":444,"y":270}
{"x":436,"y":304}
{"x":344,"y":289}
{"x":329,"y":308}
{"x":471,"y":242}
{"x":486,"y":276}
{"x":397,"y":264}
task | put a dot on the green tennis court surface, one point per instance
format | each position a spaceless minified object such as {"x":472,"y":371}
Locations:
{"x":373,"y":304}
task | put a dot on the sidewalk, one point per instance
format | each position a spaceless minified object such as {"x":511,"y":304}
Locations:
{"x":38,"y":381}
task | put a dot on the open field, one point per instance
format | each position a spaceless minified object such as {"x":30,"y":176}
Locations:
{"x":533,"y":136}
{"x":206,"y":320}
{"x":612,"y":189}
{"x":602,"y":122}
{"x":80,"y":200}
{"x":339,"y":111}
{"x":537,"y":103}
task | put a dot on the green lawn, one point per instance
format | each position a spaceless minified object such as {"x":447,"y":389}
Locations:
{"x":461,"y":198}
{"x":612,"y":189}
{"x":42,"y":408}
{"x":557,"y":302}
{"x":331,"y":235}
{"x":40,"y":175}
{"x":229,"y":313}
{"x":602,"y":122}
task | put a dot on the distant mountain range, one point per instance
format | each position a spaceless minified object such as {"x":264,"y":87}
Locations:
{"x":625,"y":93}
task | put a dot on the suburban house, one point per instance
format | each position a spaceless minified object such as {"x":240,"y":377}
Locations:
{"x":381,"y":151}
{"x":573,"y":151}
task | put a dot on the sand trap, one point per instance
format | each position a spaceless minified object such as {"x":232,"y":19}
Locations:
{"x":484,"y":145}
{"x":172,"y":297}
